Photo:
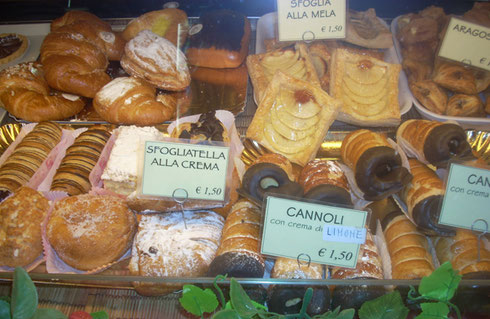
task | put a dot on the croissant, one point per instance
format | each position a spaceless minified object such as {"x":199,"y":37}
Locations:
{"x":325,"y":181}
{"x":25,"y":94}
{"x":423,"y":197}
{"x":462,"y":251}
{"x":238,"y":254}
{"x":368,"y":266}
{"x":407,"y":247}
{"x":433,"y":142}
{"x":129,"y":100}
{"x":416,"y":70}
{"x":73,"y":63}
{"x":288,"y":299}
{"x":377,"y":166}
{"x":93,"y":28}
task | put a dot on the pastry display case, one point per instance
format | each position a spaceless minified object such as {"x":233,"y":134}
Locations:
{"x":349,"y":123}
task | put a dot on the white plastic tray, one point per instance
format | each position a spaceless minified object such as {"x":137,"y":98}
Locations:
{"x":265,"y":30}
{"x":481,"y":123}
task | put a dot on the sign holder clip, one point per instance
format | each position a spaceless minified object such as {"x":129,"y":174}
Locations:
{"x":298,"y":259}
{"x":308,"y":40}
{"x":479,"y":237}
{"x":181,"y":201}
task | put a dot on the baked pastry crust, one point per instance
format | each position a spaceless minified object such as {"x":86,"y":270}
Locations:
{"x":365,"y":29}
{"x":293,"y":118}
{"x":294,"y":61}
{"x":430,"y":95}
{"x":18,"y":52}
{"x":25,"y":94}
{"x":21,"y":216}
{"x":90,"y":231}
{"x":465,"y":105}
{"x":368,"y":88}
{"x":455,"y":77}
{"x":156,"y":60}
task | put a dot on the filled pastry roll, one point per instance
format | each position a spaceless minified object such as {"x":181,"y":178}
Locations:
{"x":325,"y":181}
{"x":377,"y":166}
{"x":369,"y":266}
{"x":238,"y":254}
{"x":433,"y":142}
{"x":289,"y":299}
{"x":408,"y":248}
{"x":462,"y":251}
{"x":423,"y":197}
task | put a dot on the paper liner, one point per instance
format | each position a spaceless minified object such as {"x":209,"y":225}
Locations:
{"x":410,"y":151}
{"x":24,"y":131}
{"x":43,"y":177}
{"x":39,"y":260}
{"x":54,"y":264}
{"x":380,"y":241}
{"x":96,"y":173}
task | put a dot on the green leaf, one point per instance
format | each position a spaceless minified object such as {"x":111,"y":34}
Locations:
{"x":433,"y":310}
{"x":45,"y":313}
{"x":197,"y":301}
{"x":99,"y":315}
{"x":240,"y":301}
{"x":226,"y":314}
{"x":24,"y":295}
{"x":5,"y":298}
{"x":337,"y":314}
{"x":441,"y":284}
{"x":4,"y":310}
{"x":389,"y":306}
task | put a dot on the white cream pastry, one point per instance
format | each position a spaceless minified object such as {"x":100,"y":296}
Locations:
{"x":120,"y":174}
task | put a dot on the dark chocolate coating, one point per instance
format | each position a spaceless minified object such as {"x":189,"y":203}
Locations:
{"x":222,"y":29}
{"x":285,"y":299}
{"x":208,"y":126}
{"x":4,"y":194}
{"x":330,"y":194}
{"x":262,"y":178}
{"x":379,"y":173}
{"x":354,"y":296}
{"x":388,"y":218}
{"x":236,"y":264}
{"x":426,"y":215}
{"x":8,"y":45}
{"x":446,"y":142}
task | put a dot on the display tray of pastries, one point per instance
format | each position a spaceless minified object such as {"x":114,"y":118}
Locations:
{"x":441,"y":90}
{"x":208,"y":89}
{"x":266,"y":40}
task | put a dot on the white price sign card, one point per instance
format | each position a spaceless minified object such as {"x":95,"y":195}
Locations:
{"x":326,"y":234}
{"x":198,"y":169}
{"x":311,"y":19}
{"x":466,"y":42}
{"x":467,"y":198}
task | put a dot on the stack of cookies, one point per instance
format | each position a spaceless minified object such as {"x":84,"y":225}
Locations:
{"x":73,"y":173}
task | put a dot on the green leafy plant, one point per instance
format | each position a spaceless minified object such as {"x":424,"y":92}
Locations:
{"x":434,"y":295}
{"x":23,"y":302}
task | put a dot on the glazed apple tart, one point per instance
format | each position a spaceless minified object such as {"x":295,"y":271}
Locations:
{"x":293,"y":118}
{"x":292,"y":60}
{"x":368,"y":88}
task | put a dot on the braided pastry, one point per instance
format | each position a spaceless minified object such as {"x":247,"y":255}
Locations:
{"x":129,"y":100}
{"x":25,"y":94}
{"x":73,"y":62}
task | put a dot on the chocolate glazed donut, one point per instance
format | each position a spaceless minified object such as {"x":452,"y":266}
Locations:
{"x":445,"y":142}
{"x":262,"y":178}
{"x":379,"y":173}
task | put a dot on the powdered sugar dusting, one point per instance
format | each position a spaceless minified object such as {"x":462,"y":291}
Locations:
{"x":166,"y":246}
{"x":116,"y":88}
{"x":163,"y":54}
{"x":108,"y":37}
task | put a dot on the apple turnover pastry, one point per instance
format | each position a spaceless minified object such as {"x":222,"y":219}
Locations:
{"x":292,"y":60}
{"x":293,"y":118}
{"x":368,"y":88}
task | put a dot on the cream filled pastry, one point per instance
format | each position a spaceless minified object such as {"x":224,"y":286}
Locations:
{"x":120,"y":174}
{"x":368,"y":88}
{"x":293,"y":118}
